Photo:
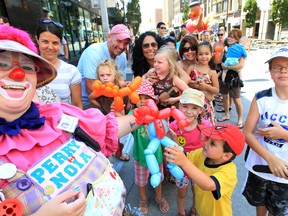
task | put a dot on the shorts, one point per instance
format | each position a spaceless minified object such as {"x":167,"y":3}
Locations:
{"x":142,"y":174}
{"x":226,"y":88}
{"x":262,"y":192}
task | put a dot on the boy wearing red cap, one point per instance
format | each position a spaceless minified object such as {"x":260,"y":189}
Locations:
{"x":211,"y":167}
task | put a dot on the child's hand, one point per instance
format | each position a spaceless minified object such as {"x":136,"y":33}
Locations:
{"x":275,"y":132}
{"x":151,"y":76}
{"x":174,"y":155}
{"x":59,"y":207}
{"x":172,"y":100}
{"x":172,"y":135}
{"x":278,"y":167}
{"x":117,"y":113}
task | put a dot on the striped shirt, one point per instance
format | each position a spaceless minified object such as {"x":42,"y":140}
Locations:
{"x":67,"y":75}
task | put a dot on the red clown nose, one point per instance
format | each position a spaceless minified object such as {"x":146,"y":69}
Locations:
{"x":17,"y":74}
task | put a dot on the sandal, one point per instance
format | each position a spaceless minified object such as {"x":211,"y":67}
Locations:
{"x":143,"y":205}
{"x":192,"y":212}
{"x":163,"y":205}
{"x":124,"y":156}
{"x":240,"y":125}
{"x":222,"y":119}
{"x":221,"y":109}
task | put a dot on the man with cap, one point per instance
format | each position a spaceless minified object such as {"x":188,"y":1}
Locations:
{"x":112,"y":49}
{"x":212,"y":168}
{"x":266,"y":132}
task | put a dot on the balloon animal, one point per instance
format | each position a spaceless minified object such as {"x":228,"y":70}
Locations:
{"x":157,"y":129}
{"x":111,"y":90}
{"x":198,"y":23}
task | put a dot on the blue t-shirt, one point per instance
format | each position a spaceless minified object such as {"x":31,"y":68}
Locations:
{"x":89,"y":61}
{"x":236,"y":51}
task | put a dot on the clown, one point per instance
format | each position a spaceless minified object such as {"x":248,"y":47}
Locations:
{"x":44,"y":169}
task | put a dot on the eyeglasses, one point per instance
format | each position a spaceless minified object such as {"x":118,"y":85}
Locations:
{"x":163,"y":28}
{"x":231,"y":36}
{"x":152,"y":44}
{"x":186,"y":49}
{"x":220,"y":35}
{"x":46,"y":21}
{"x":278,"y":69}
{"x":6,"y":65}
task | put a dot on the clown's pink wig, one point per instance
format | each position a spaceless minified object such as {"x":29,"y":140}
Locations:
{"x":20,"y":36}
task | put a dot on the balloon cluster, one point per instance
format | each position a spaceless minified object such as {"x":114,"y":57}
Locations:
{"x":157,"y":130}
{"x":111,"y":90}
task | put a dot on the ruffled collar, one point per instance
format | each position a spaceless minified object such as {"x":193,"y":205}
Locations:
{"x":29,"y":120}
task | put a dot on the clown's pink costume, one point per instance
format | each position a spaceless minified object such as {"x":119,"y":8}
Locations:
{"x":41,"y":157}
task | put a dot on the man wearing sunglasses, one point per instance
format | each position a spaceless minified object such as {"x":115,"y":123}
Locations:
{"x":112,"y":49}
{"x":161,"y":28}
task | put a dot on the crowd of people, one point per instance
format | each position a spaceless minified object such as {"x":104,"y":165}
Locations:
{"x":57,"y":134}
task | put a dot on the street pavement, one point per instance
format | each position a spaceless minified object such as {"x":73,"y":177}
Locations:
{"x":256,"y":77}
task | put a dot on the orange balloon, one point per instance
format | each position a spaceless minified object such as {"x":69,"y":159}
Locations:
{"x":118,"y":103}
{"x":108,"y":91}
{"x":135,"y":83}
{"x":115,"y":92}
{"x":124,"y":91}
{"x":96,"y":85}
{"x":110,"y":84}
{"x":134,"y":97}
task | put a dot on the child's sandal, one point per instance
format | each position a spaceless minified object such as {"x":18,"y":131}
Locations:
{"x":143,"y":207}
{"x":163,"y":205}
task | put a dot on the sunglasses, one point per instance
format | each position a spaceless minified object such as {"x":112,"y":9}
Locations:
{"x":220,"y":35}
{"x":186,"y":49}
{"x":163,"y":28}
{"x":147,"y":45}
{"x":46,"y":21}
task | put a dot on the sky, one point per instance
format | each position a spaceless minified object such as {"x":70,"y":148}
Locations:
{"x":147,"y":8}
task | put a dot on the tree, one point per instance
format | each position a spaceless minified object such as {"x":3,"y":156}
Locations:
{"x":134,"y":15}
{"x":279,"y":14}
{"x":251,"y":8}
{"x":186,"y":11}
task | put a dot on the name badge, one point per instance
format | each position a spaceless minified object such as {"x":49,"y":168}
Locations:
{"x":58,"y":170}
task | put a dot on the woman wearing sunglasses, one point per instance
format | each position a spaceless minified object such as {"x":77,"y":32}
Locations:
{"x":187,"y":52}
{"x":67,"y":84}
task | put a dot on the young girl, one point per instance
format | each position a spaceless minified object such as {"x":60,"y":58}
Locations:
{"x":167,"y":70}
{"x":107,"y":71}
{"x":192,"y":105}
{"x":141,"y":142}
{"x":205,"y":79}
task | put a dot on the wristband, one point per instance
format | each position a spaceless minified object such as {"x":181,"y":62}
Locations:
{"x":171,"y":92}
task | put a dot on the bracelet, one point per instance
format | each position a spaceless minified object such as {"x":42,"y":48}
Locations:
{"x":171,"y":92}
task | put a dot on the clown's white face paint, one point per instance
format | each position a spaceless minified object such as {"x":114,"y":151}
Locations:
{"x":16,"y":94}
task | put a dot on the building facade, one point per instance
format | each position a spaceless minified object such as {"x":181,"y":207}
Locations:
{"x":81,"y":19}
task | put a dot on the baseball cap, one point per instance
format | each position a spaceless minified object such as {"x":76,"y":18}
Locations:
{"x":227,"y":132}
{"x":282,"y":52}
{"x":194,"y":2}
{"x":120,"y":31}
{"x":16,"y":40}
{"x":183,"y":26}
{"x":192,"y":96}
{"x":147,"y":89}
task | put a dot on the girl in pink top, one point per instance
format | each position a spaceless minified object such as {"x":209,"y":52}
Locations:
{"x":192,"y":105}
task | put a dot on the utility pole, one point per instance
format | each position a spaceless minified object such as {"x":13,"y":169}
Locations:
{"x":104,"y":18}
